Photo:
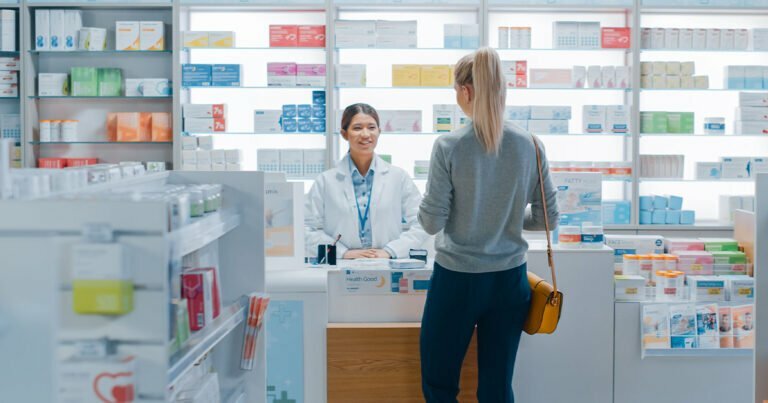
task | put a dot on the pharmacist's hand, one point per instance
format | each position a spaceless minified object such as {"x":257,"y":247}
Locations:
{"x":357,"y":254}
{"x":379,"y":254}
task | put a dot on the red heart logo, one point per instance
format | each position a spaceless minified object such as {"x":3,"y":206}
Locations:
{"x":120,"y":393}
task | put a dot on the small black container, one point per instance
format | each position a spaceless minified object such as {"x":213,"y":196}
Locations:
{"x":328,"y":251}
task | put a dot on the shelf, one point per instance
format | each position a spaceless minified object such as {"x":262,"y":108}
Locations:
{"x":703,"y":226}
{"x":253,"y":88}
{"x":296,"y":48}
{"x":96,"y":4}
{"x":617,"y":180}
{"x":201,"y":342}
{"x":699,"y":352}
{"x":411,"y":49}
{"x":9,"y":54}
{"x":699,"y":90}
{"x":696,"y":180}
{"x":508,"y":89}
{"x":700,"y":135}
{"x":42,"y":143}
{"x":100,"y":52}
{"x":612,"y":50}
{"x":252,"y":134}
{"x":97,"y":98}
{"x":701,"y":51}
{"x":202,"y":231}
{"x":155,"y":177}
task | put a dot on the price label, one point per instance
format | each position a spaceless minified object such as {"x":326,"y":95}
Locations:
{"x":715,"y":291}
{"x":697,"y":267}
{"x":745,"y":291}
{"x":631,"y":291}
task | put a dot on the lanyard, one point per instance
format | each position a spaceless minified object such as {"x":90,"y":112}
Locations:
{"x":363,"y":219}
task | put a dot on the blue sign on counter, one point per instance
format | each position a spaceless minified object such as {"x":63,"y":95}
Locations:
{"x":285,"y":352}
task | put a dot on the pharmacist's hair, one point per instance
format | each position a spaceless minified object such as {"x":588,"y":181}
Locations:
{"x":353,"y":110}
{"x":482,"y":70}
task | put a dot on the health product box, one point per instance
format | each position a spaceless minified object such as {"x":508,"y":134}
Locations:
{"x":73,"y":21}
{"x":310,"y":75}
{"x":268,"y":160}
{"x":314,"y":162}
{"x":735,"y":167}
{"x":707,"y":288}
{"x":196,"y":75}
{"x":226,"y":75}
{"x":579,"y":77}
{"x":435,"y":76}
{"x":127,"y":35}
{"x":629,"y":287}
{"x":548,"y":126}
{"x":303,"y":111}
{"x":152,"y":35}
{"x":205,"y":125}
{"x":85,"y":81}
{"x":42,"y":29}
{"x":751,"y":127}
{"x":452,"y":36}
{"x":289,"y":125}
{"x":267,"y":121}
{"x":92,"y":39}
{"x":653,"y":122}
{"x":400,"y":121}
{"x":470,"y":36}
{"x":617,"y":119}
{"x":149,"y":87}
{"x":205,"y":111}
{"x":128,"y":126}
{"x":318,"y":125}
{"x":351,"y":75}
{"x":221,"y":39}
{"x":197,"y":289}
{"x":311,"y":36}
{"x":110,"y":82}
{"x":550,"y":112}
{"x":550,"y":78}
{"x":406,"y":75}
{"x":443,"y":118}
{"x":752,"y":113}
{"x":615,"y":38}
{"x":8,"y":31}
{"x":195,"y":39}
{"x":517,"y":112}
{"x":292,"y":163}
{"x":57,"y":29}
{"x":281,"y":36}
{"x":589,"y":35}
{"x":52,"y":84}
{"x":565,"y":35}
{"x":162,"y":129}
{"x":753,"y":99}
{"x":233,"y":156}
{"x":318,"y":97}
{"x":708,"y":170}
{"x":594,"y":119}
{"x":633,"y":245}
{"x":616,"y":212}
{"x":281,"y":74}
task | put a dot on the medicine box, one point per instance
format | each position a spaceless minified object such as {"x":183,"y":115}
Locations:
{"x":52,"y":84}
{"x":550,"y":78}
{"x":758,"y":165}
{"x":162,"y":126}
{"x":400,"y":121}
{"x":205,"y":148}
{"x":314,"y":162}
{"x":671,"y":38}
{"x":233,"y":156}
{"x":550,"y":113}
{"x":565,"y":35}
{"x":517,"y":112}
{"x":752,"y":113}
{"x":735,"y":167}
{"x":281,"y":74}
{"x":452,"y":36}
{"x":594,"y":119}
{"x":283,"y":36}
{"x":85,"y":81}
{"x":318,"y":126}
{"x":110,"y":82}
{"x":595,"y":77}
{"x":152,"y":35}
{"x":753,"y":99}
{"x":707,"y":288}
{"x":57,"y":29}
{"x":579,"y":77}
{"x":436,"y":76}
{"x":351,"y":75}
{"x":304,"y":125}
{"x":318,"y":97}
{"x":268,"y":160}
{"x":616,"y":212}
{"x":221,"y":39}
{"x":188,"y":143}
{"x":304,"y":111}
{"x":196,"y":75}
{"x":226,"y":75}
{"x":289,"y":125}
{"x":311,"y":36}
{"x":470,"y":36}
{"x":443,"y":118}
{"x":42,"y":29}
{"x":633,"y":245}
{"x":127,"y":34}
{"x":615,"y":38}
{"x":617,"y":119}
{"x":708,"y":170}
{"x":292,"y":163}
{"x":310,"y":75}
{"x":406,"y":75}
{"x":195,"y":39}
{"x":204,"y":125}
{"x":630,"y":287}
{"x":205,"y":111}
{"x":93,"y":39}
{"x":548,"y":126}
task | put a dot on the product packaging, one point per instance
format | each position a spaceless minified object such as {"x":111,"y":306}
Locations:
{"x":196,"y":75}
{"x":53,"y":84}
{"x":110,"y":82}
{"x":351,"y":75}
{"x":311,"y":36}
{"x":281,"y":74}
{"x":42,"y":29}
{"x":152,"y":35}
{"x":197,"y":289}
{"x":205,"y":111}
{"x":195,"y":39}
{"x":226,"y":75}
{"x":161,"y":127}
{"x":92,"y":39}
{"x":101,"y":279}
{"x":310,"y":75}
{"x":406,"y":75}
{"x":267,"y":121}
{"x":127,"y":35}
{"x":221,"y":39}
{"x":283,"y":36}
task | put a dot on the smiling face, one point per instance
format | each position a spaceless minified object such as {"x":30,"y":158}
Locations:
{"x":362,"y":134}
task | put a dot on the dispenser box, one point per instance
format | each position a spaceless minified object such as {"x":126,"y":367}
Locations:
{"x":152,"y":35}
{"x":127,"y":35}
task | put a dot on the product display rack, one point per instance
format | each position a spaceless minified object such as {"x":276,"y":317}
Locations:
{"x":49,"y":326}
{"x":88,"y":110}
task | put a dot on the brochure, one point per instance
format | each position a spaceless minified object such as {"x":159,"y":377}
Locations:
{"x":706,"y":326}
{"x":726,"y":327}
{"x":743,"y":326}
{"x":655,"y":326}
{"x":683,"y":326}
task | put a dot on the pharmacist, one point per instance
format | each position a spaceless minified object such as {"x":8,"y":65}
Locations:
{"x":364,"y":199}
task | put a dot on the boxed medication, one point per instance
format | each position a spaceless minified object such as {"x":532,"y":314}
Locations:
{"x":565,"y":35}
{"x":268,"y":160}
{"x":395,"y":28}
{"x":753,"y":99}
{"x":318,"y":112}
{"x":196,"y":75}
{"x":594,"y":119}
{"x":734,"y":77}
{"x":290,"y":111}
{"x":128,"y":126}
{"x":204,"y":153}
{"x":708,"y":170}
{"x":633,"y":245}
{"x":221,"y":39}
{"x":645,"y":38}
{"x":57,"y":29}
{"x":550,"y":78}
{"x":724,"y":245}
{"x":548,"y":126}
{"x":85,"y":81}
{"x":204,"y":111}
{"x":197,"y":287}
{"x":700,"y":38}
{"x":630,"y":287}
{"x":406,"y":75}
{"x":303,"y":111}
{"x":623,"y":77}
{"x":93,"y":39}
{"x":73,"y":21}
{"x":110,"y":82}
{"x":760,"y":39}
{"x":289,"y":125}
{"x":318,"y":126}
{"x":616,"y":212}
{"x":752,"y":113}
{"x":304,"y":125}
{"x":713,"y":38}
{"x":161,"y":126}
{"x":147,"y":87}
{"x":673,"y":245}
{"x":657,"y":38}
{"x":728,"y":39}
{"x":267,"y":121}
{"x":318,"y":97}
{"x":579,"y":77}
{"x":152,"y":35}
{"x":753,"y":77}
{"x":281,"y":74}
{"x":188,"y":143}
{"x":707,"y":288}
{"x":517,"y":112}
{"x":351,"y":75}
{"x":741,"y":39}
{"x":452,"y":37}
{"x":443,"y":118}
{"x":195,"y":39}
{"x":741,"y":288}
{"x":470,"y":36}
{"x":550,"y":112}
{"x":608,"y":77}
{"x":233,"y":156}
{"x":226,"y":75}
{"x":401,"y":121}
{"x":42,"y":29}
{"x":92,"y":380}
{"x":436,"y":76}
{"x":589,"y":35}
{"x":735,"y":167}
{"x":52,"y":84}
{"x":396,"y":42}
{"x":617,"y":119}
{"x":594,"y":77}
{"x":311,"y":36}
{"x":758,"y":165}
{"x":283,"y":36}
{"x":234,"y":167}
{"x":671,"y":38}
{"x":292,"y":163}
{"x":615,"y":38}
{"x":685,"y":40}
{"x":204,"y":125}
{"x":310,"y":75}
{"x":127,"y":35}
{"x":653,"y":122}
{"x":314,"y":162}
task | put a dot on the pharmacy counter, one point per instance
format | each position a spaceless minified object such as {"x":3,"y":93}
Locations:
{"x":384,"y":304}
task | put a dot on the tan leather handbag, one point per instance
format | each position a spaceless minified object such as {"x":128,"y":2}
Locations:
{"x":546,"y":299}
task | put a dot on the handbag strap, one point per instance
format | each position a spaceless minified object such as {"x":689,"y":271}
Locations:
{"x":550,"y":259}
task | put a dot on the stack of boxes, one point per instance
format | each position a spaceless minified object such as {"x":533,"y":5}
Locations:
{"x":633,"y":245}
{"x":667,"y":122}
{"x":462,"y":36}
{"x":62,"y":30}
{"x":208,"y":39}
{"x":139,"y":127}
{"x":601,"y":77}
{"x":746,"y":77}
{"x":730,"y":203}
{"x":540,"y":119}
{"x":671,"y":75}
{"x":666,"y":210}
{"x":9,"y":77}
{"x":99,"y":82}
{"x":732,"y":168}
{"x":211,"y":75}
{"x":515,"y":73}
{"x":289,"y":74}
{"x":576,"y":35}
{"x":140,"y":35}
{"x":376,"y":34}
{"x":447,"y":118}
{"x":752,"y":115}
{"x":605,"y":119}
{"x":205,"y":118}
{"x":198,"y":154}
{"x":291,"y":36}
{"x":58,"y":30}
{"x":662,"y":166}
{"x":414,"y":75}
{"x":292,"y":118}
{"x":295,"y":163}
{"x":695,"y":38}
{"x":514,"y":37}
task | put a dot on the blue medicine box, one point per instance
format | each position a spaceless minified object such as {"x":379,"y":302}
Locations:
{"x":659,"y":217}
{"x":290,"y":125}
{"x":673,"y":217}
{"x":226,"y":75}
{"x":646,"y":217}
{"x":318,"y":111}
{"x":318,"y":125}
{"x":616,"y":212}
{"x":660,"y":203}
{"x":646,"y":203}
{"x":675,"y":202}
{"x":304,"y":111}
{"x":318,"y":97}
{"x":289,"y":111}
{"x":305,"y":126}
{"x":196,"y":75}
{"x":688,"y":217}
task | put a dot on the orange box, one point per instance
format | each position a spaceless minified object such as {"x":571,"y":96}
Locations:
{"x":128,"y":126}
{"x":283,"y":36}
{"x":616,"y":38}
{"x":311,"y":36}
{"x":51,"y":163}
{"x":519,"y":81}
{"x":145,"y":126}
{"x":81,"y":162}
{"x":111,"y":126}
{"x":161,"y":127}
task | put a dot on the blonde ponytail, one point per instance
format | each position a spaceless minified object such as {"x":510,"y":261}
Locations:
{"x":483,"y":71}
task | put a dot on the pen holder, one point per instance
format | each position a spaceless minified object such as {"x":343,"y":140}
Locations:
{"x":326,"y":254}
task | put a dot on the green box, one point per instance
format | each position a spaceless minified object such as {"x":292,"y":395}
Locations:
{"x":721,"y":245}
{"x":674,"y":120}
{"x":653,"y":122}
{"x":110,"y":82}
{"x":687,"y":122}
{"x":729,"y":257}
{"x":85,"y":81}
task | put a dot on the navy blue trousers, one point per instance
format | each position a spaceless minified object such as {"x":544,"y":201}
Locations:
{"x":497,"y":303}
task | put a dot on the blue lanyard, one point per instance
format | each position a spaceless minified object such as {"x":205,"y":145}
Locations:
{"x":363,"y":219}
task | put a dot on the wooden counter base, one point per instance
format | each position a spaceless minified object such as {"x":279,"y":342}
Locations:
{"x":379,"y":362}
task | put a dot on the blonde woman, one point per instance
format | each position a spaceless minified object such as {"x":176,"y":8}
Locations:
{"x":482,"y":179}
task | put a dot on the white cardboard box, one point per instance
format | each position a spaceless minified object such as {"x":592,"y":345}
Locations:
{"x":617,"y":119}
{"x":699,"y":38}
{"x":268,"y":160}
{"x":708,"y":170}
{"x":52,"y":84}
{"x":401,"y":121}
{"x":42,"y":29}
{"x":314,"y":162}
{"x":752,"y":113}
{"x":127,"y":35}
{"x":741,"y":40}
{"x":57,"y":29}
{"x":292,"y":163}
{"x":233,"y":156}
{"x":152,"y":35}
{"x":8,"y":28}
{"x":751,"y":127}
{"x":686,"y":39}
{"x":735,"y":167}
{"x":189,"y":156}
{"x":351,"y":75}
{"x":188,"y":143}
{"x":753,"y":99}
{"x":713,"y":38}
{"x":550,"y":112}
{"x":267,"y":121}
{"x":594,"y":119}
{"x":658,"y":35}
{"x":671,"y":38}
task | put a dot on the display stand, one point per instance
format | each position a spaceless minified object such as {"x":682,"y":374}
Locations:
{"x":39,"y":327}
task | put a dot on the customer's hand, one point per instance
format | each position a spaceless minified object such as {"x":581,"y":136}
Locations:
{"x":357,"y":254}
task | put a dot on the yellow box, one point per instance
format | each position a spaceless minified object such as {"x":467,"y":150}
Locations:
{"x":102,"y":297}
{"x":406,"y":75}
{"x":195,"y":39}
{"x":436,"y":76}
{"x":221,"y":39}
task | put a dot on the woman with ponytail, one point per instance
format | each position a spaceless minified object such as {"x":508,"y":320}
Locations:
{"x":483,"y":190}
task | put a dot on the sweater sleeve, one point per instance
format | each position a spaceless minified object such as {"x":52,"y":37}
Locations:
{"x":415,"y":237}
{"x":436,"y":205}
{"x":534,"y":215}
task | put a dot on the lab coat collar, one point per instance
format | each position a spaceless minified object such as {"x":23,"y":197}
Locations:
{"x":378,"y":165}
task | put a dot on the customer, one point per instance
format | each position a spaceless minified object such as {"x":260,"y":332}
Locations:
{"x":481,"y":180}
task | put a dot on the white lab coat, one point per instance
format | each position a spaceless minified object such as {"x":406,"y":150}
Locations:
{"x":330,"y":209}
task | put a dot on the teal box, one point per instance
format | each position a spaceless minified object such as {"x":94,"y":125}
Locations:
{"x":616,"y":212}
{"x":646,"y":217}
{"x":318,"y":125}
{"x":675,"y":202}
{"x":673,"y":217}
{"x":304,"y":111}
{"x":196,"y":75}
{"x":289,"y":111}
{"x":646,"y":203}
{"x":318,"y":111}
{"x":660,"y":203}
{"x":290,"y":125}
{"x":318,"y":97}
{"x":305,"y":126}
{"x":226,"y":75}
{"x":659,"y":217}
{"x":688,"y":217}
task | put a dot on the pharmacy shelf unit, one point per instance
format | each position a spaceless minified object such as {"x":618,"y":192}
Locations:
{"x":91,"y":112}
{"x":42,"y":329}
